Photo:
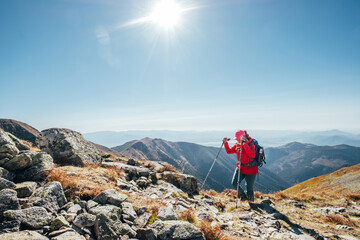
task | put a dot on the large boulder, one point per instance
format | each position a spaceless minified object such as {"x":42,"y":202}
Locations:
{"x":51,"y":196}
{"x":34,"y":217}
{"x":174,"y":230}
{"x":68,"y":147}
{"x":108,"y":225}
{"x":8,"y":201}
{"x":185,"y":182}
{"x":110,"y":196}
{"x":167,"y":213}
{"x":23,"y":235}
{"x":8,"y":148}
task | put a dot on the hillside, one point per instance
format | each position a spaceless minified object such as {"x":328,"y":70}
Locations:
{"x":343,"y":181}
{"x":296,"y":162}
{"x":20,"y":129}
{"x":196,"y":160}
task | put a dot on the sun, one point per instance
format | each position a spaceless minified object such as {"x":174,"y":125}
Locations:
{"x":166,"y":13}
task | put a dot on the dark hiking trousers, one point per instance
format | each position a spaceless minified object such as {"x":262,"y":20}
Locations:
{"x":250,"y":180}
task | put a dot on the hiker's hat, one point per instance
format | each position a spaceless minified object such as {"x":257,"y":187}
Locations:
{"x":238,"y":134}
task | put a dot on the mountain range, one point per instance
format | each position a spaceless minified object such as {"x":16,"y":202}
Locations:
{"x":296,"y":162}
{"x":267,"y":138}
{"x":196,"y":160}
{"x":286,"y":165}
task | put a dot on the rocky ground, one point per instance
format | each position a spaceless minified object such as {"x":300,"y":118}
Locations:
{"x":118,"y":198}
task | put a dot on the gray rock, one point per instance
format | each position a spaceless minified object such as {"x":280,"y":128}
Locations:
{"x":6,"y":174}
{"x":146,"y":234}
{"x":58,"y":222}
{"x":110,"y":196}
{"x":10,"y":226}
{"x":25,"y":189}
{"x":171,"y":230}
{"x":128,"y":211}
{"x":41,"y":166}
{"x":90,"y":204}
{"x":69,"y":235}
{"x":142,"y":182}
{"x":7,"y":152}
{"x":131,"y":162}
{"x":34,"y":217}
{"x":75,"y":209}
{"x":4,"y":183}
{"x":108,"y":224}
{"x":132,"y":171}
{"x":68,"y":147}
{"x":20,"y":162}
{"x":140,"y":210}
{"x":167,"y":213}
{"x":23,"y":235}
{"x":8,"y":201}
{"x":185,"y":182}
{"x":84,"y":220}
{"x":142,"y":220}
{"x":51,"y":197}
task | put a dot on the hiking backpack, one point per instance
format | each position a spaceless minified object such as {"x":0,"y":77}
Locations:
{"x":259,"y":158}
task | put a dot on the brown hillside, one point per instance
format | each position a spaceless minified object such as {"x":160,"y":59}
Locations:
{"x":342,"y":181}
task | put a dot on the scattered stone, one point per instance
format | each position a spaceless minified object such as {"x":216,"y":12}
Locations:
{"x":8,"y":201}
{"x":167,"y":213}
{"x":6,"y":174}
{"x":90,"y":204}
{"x":20,"y":162}
{"x":58,"y":222}
{"x":131,"y":162}
{"x":75,"y":209}
{"x":10,"y":226}
{"x":171,"y":230}
{"x":4,"y":183}
{"x":69,"y":235}
{"x":142,"y":220}
{"x":128,"y":211}
{"x":84,"y":220}
{"x":23,"y":235}
{"x":34,"y":217}
{"x":51,"y":197}
{"x":25,"y":189}
{"x":344,"y":227}
{"x":110,"y":196}
{"x":146,"y":234}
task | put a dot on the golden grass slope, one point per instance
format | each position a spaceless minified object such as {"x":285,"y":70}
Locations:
{"x":343,"y":181}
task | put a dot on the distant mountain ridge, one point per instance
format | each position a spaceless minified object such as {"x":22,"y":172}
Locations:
{"x":296,"y":162}
{"x":267,"y":138}
{"x":196,"y":160}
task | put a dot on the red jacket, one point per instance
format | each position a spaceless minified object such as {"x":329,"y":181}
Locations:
{"x":248,"y":151}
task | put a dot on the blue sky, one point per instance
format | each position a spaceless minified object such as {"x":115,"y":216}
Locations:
{"x":254,"y":64}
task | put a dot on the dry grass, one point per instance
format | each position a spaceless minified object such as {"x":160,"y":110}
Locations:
{"x":212,"y":232}
{"x":220,"y":206}
{"x":168,"y":167}
{"x":305,"y":197}
{"x":281,"y":195}
{"x":86,"y":182}
{"x":188,"y":215}
{"x":337,"y":219}
{"x":230,"y":193}
{"x":257,"y":194}
{"x":353,"y":197}
{"x":29,"y":144}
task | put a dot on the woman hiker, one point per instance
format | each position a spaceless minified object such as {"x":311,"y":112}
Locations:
{"x":249,"y":173}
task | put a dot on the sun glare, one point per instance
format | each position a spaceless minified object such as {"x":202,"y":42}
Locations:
{"x":166,"y":13}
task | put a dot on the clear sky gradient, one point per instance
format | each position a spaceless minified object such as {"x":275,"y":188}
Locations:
{"x":90,"y":65}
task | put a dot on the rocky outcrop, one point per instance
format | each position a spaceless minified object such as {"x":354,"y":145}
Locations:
{"x":17,"y":162}
{"x":20,"y":130}
{"x":185,"y":182}
{"x":68,"y":147}
{"x":110,"y":196}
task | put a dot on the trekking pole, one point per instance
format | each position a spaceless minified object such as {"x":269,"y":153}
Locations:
{"x":213,"y":164}
{"x":238,"y":181}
